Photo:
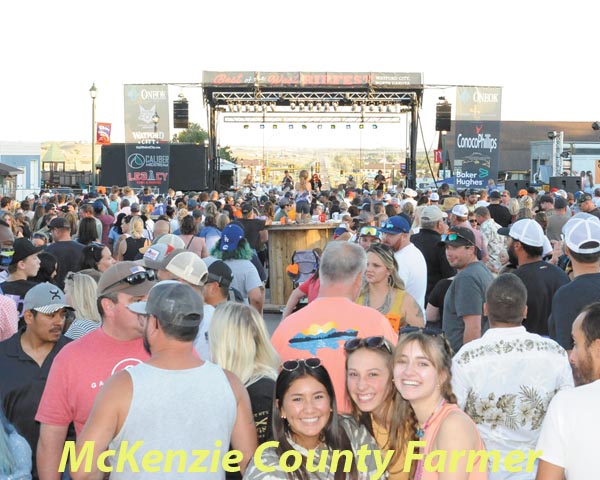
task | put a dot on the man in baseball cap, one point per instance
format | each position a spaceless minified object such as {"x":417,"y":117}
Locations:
{"x":582,"y":246}
{"x":80,"y":370}
{"x":26,"y":357}
{"x":463,"y":318}
{"x":527,"y":245}
{"x":412,"y":267}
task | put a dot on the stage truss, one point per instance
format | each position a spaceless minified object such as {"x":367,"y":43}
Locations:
{"x":305,"y":97}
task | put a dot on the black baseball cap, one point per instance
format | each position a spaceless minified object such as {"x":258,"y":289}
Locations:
{"x":219,"y":272}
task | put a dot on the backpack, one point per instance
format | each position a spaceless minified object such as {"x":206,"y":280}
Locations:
{"x":304,"y":264}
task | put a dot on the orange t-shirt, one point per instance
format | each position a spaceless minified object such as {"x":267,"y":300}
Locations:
{"x":320,"y":330}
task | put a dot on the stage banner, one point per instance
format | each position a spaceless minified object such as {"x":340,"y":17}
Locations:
{"x":477,"y":142}
{"x":103,"y":133}
{"x":148,"y":165}
{"x":147,"y":136}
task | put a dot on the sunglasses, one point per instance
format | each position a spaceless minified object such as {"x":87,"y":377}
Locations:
{"x":368,"y":342}
{"x":430,"y":332}
{"x":473,"y":222}
{"x":372,"y":231}
{"x":452,"y":237}
{"x":136,"y":278}
{"x":292,"y":365}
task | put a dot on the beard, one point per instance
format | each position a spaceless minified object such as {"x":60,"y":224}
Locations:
{"x":512,"y":258}
{"x":583,"y":373}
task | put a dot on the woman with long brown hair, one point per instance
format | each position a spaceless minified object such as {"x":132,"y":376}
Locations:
{"x":427,"y":407}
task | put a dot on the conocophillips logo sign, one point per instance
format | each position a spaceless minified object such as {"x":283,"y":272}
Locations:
{"x":482,"y":141}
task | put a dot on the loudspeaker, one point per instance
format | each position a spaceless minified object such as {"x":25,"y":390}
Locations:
{"x":443,"y":112}
{"x":568,"y":184}
{"x":180,"y":114}
{"x":513,"y":186}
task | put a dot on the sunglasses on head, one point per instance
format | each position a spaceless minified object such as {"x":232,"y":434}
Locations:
{"x":368,"y":342}
{"x":136,"y":278}
{"x":452,"y":237}
{"x":292,"y":365}
{"x":372,"y":231}
{"x":430,"y":332}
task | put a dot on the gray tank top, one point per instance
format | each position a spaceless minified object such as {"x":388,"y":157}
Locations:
{"x":172,"y":413}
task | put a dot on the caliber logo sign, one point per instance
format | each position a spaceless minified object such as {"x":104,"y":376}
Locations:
{"x":476,"y":153}
{"x":135,"y":161}
{"x":148,"y":165}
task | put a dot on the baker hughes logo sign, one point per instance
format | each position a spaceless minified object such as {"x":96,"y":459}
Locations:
{"x":479,"y":141}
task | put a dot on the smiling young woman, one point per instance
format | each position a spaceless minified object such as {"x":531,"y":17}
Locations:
{"x":422,"y":376}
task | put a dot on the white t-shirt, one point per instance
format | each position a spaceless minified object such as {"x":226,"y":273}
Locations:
{"x":412,"y":269}
{"x":201,"y":342}
{"x":569,"y":436}
{"x":504,"y":382}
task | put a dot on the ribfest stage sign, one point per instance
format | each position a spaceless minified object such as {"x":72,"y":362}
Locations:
{"x":313,"y":79}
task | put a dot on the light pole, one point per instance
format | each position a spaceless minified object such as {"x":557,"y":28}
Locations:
{"x":93,"y":94}
{"x":155,"y":120}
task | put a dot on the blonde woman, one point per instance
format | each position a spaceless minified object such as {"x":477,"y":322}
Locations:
{"x":81,"y":292}
{"x":303,"y":197}
{"x":130,"y":248}
{"x":223,"y":220}
{"x":384,"y":290}
{"x":239,"y":342}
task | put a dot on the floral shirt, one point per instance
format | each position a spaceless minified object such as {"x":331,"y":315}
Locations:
{"x":504,"y":381}
{"x":494,"y":242}
{"x":358,"y":436}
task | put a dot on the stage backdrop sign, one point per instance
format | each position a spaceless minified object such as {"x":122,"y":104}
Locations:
{"x":477,"y":145}
{"x":147,"y":136}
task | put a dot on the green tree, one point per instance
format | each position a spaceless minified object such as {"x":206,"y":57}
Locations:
{"x":193,"y":134}
{"x":196,"y":134}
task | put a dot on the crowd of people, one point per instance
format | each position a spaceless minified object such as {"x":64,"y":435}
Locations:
{"x":434,"y":323}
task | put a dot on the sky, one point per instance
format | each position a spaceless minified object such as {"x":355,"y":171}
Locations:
{"x":542,"y":53}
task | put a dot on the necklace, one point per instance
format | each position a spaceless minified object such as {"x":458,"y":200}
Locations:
{"x":385,"y":306}
{"x":421,"y":430}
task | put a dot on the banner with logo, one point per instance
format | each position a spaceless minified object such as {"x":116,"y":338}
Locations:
{"x":147,"y":136}
{"x":103,"y":133}
{"x":477,"y":143}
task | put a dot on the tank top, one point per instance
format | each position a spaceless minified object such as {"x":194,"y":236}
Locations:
{"x":133,"y":248}
{"x":396,"y":470}
{"x":174,"y":410}
{"x":394,"y":313}
{"x":431,"y":433}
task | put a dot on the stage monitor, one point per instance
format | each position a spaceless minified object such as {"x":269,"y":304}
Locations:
{"x":513,"y":186}
{"x":568,"y":184}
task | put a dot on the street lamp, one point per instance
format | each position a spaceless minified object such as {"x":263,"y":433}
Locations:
{"x":155,"y":120}
{"x":93,"y":94}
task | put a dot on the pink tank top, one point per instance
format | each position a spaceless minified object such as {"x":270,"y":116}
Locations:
{"x":431,"y":432}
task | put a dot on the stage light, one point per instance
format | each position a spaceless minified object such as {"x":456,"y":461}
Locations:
{"x":319,"y":127}
{"x":374,"y":127}
{"x":333,"y":127}
{"x":262,"y":126}
{"x":371,"y":108}
{"x":348,"y":127}
{"x":246,"y":127}
{"x":275,"y":127}
{"x":354,"y":107}
{"x":301,"y":106}
{"x":361,"y":126}
{"x":290,"y":126}
{"x":304,"y":127}
{"x":596,"y":126}
{"x":293,"y":105}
